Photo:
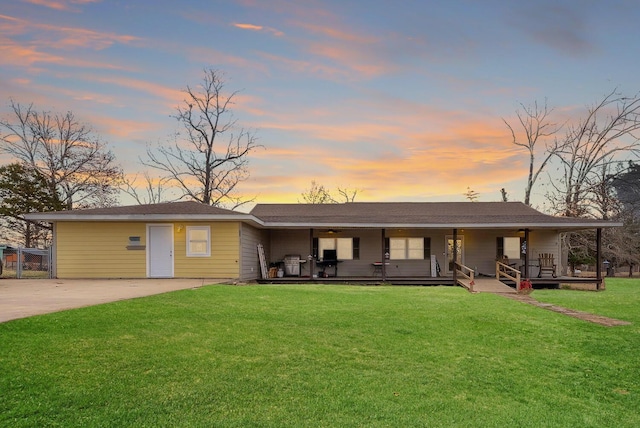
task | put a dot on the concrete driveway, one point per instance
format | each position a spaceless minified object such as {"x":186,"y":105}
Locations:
{"x":21,"y":298}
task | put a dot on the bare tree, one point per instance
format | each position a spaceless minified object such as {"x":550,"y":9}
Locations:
{"x":74,"y":161}
{"x":593,"y":153}
{"x":210,"y":158}
{"x":628,"y":190}
{"x":154,"y":189}
{"x":534,"y":127}
{"x":347,"y":194}
{"x":504,"y":195}
{"x":622,"y":244}
{"x":471,"y":194}
{"x":317,"y":194}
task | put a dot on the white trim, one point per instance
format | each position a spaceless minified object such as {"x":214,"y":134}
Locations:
{"x":207,"y":228}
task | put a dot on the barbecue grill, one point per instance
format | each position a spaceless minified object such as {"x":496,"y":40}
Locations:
{"x":292,"y":265}
{"x":329,"y":259}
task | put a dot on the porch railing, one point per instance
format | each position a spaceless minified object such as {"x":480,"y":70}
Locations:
{"x":508,"y":272}
{"x":465,"y":272}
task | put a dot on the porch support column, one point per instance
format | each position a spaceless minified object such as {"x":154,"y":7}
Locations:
{"x":455,"y":256}
{"x":383,"y":256}
{"x":599,"y":258}
{"x":310,"y":258}
{"x":526,"y":254}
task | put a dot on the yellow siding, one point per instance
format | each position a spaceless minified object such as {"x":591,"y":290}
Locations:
{"x":225,"y":252}
{"x":99,"y":250}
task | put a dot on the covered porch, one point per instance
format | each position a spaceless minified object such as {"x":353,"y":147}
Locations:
{"x":417,"y":256}
{"x":416,"y":243}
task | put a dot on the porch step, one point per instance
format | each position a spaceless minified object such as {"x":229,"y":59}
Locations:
{"x":485,"y":285}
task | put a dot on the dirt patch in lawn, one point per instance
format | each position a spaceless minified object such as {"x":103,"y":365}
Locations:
{"x":585,"y":316}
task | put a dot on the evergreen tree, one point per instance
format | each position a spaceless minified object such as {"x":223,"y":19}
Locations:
{"x":24,"y":190}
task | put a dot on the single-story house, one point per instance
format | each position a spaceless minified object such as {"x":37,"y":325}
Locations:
{"x":383,"y":241}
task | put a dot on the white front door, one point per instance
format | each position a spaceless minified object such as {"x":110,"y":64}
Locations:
{"x":160,"y":250}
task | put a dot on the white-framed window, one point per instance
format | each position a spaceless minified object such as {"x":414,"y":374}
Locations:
{"x":198,"y":241}
{"x":406,"y":248}
{"x":343,"y":247}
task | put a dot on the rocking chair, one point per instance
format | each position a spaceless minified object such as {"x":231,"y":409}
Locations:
{"x":547,"y":264}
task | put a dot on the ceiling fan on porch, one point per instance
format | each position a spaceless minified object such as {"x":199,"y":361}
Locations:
{"x":332,"y":231}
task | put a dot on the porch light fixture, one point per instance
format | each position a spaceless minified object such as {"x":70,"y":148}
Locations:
{"x":180,"y":228}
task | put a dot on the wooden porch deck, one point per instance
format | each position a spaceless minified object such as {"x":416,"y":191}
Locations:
{"x":423,"y":281}
{"x":486,"y":285}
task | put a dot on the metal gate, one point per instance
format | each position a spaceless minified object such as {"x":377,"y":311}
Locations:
{"x":25,"y":262}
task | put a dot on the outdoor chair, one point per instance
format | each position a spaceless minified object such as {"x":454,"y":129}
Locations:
{"x":501,"y":269}
{"x":547,"y":264}
{"x":505,"y":260}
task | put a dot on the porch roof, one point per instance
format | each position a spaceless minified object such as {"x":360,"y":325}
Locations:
{"x":419,"y":215}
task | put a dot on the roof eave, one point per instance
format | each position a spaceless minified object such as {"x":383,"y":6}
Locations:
{"x":53,"y":217}
{"x":562,"y":226}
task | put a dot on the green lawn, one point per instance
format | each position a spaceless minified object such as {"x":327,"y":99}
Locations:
{"x":339,"y":356}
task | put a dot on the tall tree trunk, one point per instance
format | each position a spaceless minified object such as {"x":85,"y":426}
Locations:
{"x":27,"y":235}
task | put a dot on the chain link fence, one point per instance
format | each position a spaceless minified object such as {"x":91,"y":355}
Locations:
{"x":25,"y":262}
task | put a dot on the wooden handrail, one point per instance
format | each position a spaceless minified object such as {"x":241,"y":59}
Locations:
{"x":460,"y":269}
{"x":504,"y":270}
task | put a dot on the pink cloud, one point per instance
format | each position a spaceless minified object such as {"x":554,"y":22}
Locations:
{"x":304,"y":66}
{"x":171,"y":96}
{"x":259,"y":28}
{"x":248,"y":27}
{"x":404,"y":152}
{"x":61,"y":37}
{"x":47,"y":44}
{"x":337,"y":34}
{"x":66,"y":5}
{"x":28,"y":56}
{"x":127,"y":129}
{"x":352,"y":54}
{"x":214,"y":56}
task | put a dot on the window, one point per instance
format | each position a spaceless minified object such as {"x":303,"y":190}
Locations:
{"x":198,"y":241}
{"x":513,"y":247}
{"x":343,"y":246}
{"x":406,"y":248}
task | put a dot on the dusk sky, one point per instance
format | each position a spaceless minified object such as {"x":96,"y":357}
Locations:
{"x":403,"y":100}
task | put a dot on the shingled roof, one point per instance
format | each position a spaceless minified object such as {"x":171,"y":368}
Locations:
{"x":416,"y":214}
{"x":168,"y":210}
{"x":354,"y":214}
